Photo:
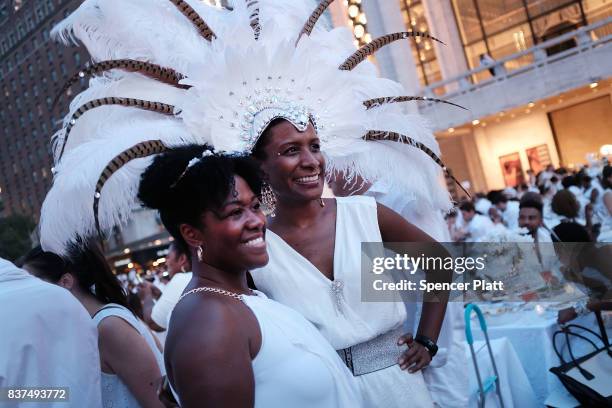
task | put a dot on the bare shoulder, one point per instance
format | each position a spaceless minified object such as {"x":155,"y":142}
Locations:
{"x":113,"y":327}
{"x":211,"y":343}
{"x":207,"y":322}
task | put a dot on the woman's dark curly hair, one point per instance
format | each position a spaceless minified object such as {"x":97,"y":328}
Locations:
{"x":182,"y":194}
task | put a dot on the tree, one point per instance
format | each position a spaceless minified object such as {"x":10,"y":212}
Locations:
{"x":15,"y":233}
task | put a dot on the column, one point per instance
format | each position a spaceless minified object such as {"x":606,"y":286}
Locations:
{"x":442,"y":24}
{"x":395,"y":60}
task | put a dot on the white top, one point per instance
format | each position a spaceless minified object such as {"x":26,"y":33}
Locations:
{"x":288,"y":275}
{"x":47,"y":340}
{"x":164,"y":306}
{"x":478,"y":227}
{"x":292,"y":280}
{"x":295,"y":366}
{"x":605,"y":217}
{"x":115,"y":394}
{"x":510,"y":214}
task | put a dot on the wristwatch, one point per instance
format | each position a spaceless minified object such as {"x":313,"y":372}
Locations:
{"x":428,"y":343}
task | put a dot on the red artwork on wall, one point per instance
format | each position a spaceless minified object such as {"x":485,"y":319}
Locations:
{"x":512,"y":169}
{"x":538,"y":157}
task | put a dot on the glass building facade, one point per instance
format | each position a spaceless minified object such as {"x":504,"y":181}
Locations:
{"x":500,"y":28}
{"x":423,"y":51}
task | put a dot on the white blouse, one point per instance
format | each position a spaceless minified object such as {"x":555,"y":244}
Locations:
{"x":335,"y":307}
{"x":342,"y":318}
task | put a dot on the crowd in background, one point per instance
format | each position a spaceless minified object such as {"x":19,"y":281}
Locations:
{"x":555,"y":205}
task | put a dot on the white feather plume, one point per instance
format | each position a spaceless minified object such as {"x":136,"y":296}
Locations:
{"x":68,"y":208}
{"x":229,"y":76}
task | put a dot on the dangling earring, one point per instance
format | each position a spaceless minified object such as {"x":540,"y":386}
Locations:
{"x":268,"y":200}
{"x":200,"y":253}
{"x":321,"y":202}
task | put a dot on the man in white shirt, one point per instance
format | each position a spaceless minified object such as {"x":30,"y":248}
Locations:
{"x":157,"y":313}
{"x":508,"y":208}
{"x":531,"y":217}
{"x":475,"y":225}
{"x":48,"y":340}
{"x":546,"y":175}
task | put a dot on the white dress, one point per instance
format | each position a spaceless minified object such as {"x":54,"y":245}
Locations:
{"x":292,"y":280}
{"x":295,"y":367}
{"x":115,"y":394}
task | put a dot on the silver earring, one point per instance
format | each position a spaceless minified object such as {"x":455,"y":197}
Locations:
{"x":200,"y":253}
{"x":268,"y":200}
{"x":321,"y":202}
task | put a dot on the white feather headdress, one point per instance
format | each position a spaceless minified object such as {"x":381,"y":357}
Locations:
{"x":172,"y":72}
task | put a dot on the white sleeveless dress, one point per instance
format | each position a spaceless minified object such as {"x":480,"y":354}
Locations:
{"x":115,"y":394}
{"x":295,"y":366}
{"x":292,"y":280}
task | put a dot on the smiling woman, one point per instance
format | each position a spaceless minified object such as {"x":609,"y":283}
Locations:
{"x":215,"y":350}
{"x":316,"y":247}
{"x":297,"y":158}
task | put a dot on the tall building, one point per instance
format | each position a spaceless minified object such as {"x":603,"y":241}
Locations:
{"x":32,"y":71}
{"x":534,"y":74}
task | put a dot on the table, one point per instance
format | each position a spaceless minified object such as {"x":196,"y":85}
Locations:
{"x":514,"y":385}
{"x":531,"y":332}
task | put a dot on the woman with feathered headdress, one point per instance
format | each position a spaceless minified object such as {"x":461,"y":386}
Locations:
{"x":183,"y":72}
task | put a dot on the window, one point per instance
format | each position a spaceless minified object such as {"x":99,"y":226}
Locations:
{"x":423,"y":51}
{"x":503,"y":28}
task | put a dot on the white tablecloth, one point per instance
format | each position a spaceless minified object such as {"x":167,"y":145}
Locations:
{"x":531,"y":336}
{"x":514,"y":384}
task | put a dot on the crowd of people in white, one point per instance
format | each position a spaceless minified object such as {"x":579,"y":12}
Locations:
{"x":555,"y":205}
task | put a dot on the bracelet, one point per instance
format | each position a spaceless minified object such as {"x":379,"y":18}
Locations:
{"x":428,"y":343}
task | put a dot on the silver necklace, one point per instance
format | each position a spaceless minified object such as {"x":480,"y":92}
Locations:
{"x":213,"y":290}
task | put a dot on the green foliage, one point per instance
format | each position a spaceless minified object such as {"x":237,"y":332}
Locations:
{"x":15,"y":233}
